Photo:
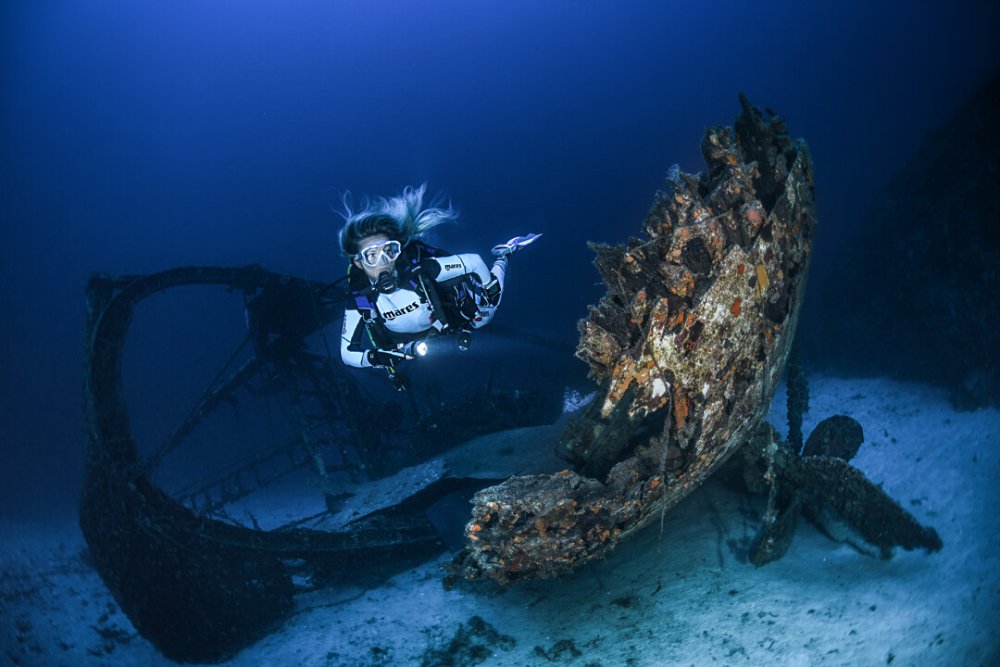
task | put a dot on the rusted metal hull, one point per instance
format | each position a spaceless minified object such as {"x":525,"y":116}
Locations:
{"x":687,"y":346}
{"x":197,"y":588}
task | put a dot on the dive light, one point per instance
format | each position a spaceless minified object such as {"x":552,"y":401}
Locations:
{"x":417,"y":348}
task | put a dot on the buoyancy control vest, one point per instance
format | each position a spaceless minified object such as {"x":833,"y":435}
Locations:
{"x":448,"y":300}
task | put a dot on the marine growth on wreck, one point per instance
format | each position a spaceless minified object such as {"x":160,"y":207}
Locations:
{"x":687,"y":347}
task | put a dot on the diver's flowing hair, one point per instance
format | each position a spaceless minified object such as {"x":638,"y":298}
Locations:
{"x":402,"y":218}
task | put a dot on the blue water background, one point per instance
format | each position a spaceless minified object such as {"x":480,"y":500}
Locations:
{"x":137,"y":136}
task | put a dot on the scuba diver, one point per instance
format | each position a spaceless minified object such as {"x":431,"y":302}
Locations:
{"x":404,"y":290}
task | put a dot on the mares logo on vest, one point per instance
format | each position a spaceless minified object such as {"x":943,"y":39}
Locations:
{"x":393,"y":314}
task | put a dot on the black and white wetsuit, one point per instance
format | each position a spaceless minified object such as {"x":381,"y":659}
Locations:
{"x":380,"y":321}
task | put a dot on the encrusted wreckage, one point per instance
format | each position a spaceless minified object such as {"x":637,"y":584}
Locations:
{"x":201,"y":585}
{"x":196,"y":586}
{"x":821,"y":485}
{"x":687,"y":346}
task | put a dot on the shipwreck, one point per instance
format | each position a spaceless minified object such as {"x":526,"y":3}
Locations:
{"x":687,"y":348}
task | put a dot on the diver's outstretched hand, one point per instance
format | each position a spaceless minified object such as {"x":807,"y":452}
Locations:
{"x":515,"y":244}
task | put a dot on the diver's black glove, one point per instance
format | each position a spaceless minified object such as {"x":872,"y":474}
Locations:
{"x":383,"y":359}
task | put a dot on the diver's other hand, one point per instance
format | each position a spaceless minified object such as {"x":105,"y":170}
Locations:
{"x":514,"y":244}
{"x":385,"y":358}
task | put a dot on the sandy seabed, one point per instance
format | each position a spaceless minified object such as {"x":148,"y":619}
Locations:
{"x":683,"y":595}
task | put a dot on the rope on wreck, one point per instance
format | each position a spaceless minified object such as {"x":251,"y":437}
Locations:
{"x":663,"y":455}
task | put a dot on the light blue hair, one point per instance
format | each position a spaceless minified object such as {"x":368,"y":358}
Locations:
{"x":402,"y":218}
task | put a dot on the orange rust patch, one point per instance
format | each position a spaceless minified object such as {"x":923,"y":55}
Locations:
{"x":540,"y":527}
{"x":680,"y":409}
{"x":735,"y":308}
{"x":683,"y":286}
{"x":653,"y":483}
{"x":623,"y":375}
{"x":741,"y":269}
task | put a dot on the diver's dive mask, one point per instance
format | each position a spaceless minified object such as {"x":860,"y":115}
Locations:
{"x":374,"y":254}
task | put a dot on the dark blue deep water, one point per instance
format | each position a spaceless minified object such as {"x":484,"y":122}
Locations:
{"x":138,"y":136}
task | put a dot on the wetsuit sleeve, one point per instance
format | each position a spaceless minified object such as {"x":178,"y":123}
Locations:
{"x":453,"y":266}
{"x":352,"y":350}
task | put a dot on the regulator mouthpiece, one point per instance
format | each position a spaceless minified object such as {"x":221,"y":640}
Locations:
{"x":386,"y":282}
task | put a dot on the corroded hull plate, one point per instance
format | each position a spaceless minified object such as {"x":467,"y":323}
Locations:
{"x":688,"y":346}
